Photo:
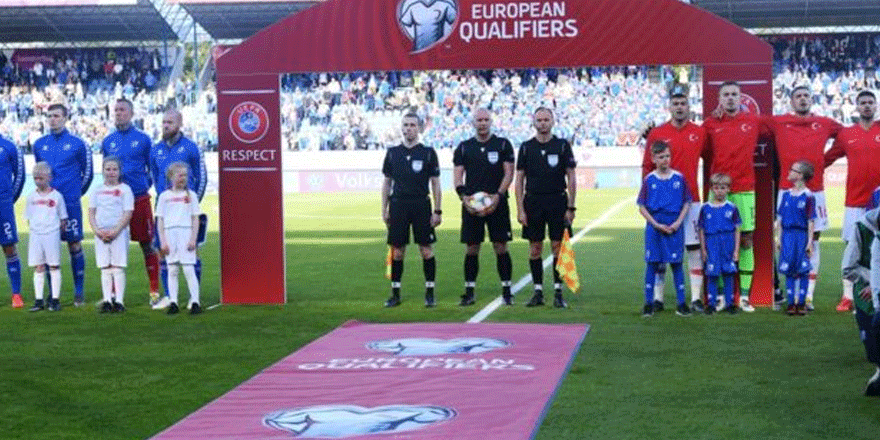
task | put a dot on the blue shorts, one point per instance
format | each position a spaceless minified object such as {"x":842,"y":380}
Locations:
{"x":661,"y":247}
{"x":719,"y":254}
{"x":793,"y":259}
{"x":73,"y":232}
{"x":8,"y":231}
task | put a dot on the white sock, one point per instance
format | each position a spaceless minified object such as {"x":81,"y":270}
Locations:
{"x":848,"y":289}
{"x":659,"y":284}
{"x":189,"y":272}
{"x":695,"y":268}
{"x":815,"y":259}
{"x":119,"y":283}
{"x":39,"y":284}
{"x":107,"y":284}
{"x":173,"y":270}
{"x":55,"y":279}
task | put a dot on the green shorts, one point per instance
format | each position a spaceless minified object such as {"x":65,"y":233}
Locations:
{"x":745,"y":203}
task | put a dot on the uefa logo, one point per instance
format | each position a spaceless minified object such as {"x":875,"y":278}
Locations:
{"x":748,"y":104}
{"x":249,"y":122}
{"x":427,"y":22}
{"x":437,"y":347}
{"x":344,"y":421}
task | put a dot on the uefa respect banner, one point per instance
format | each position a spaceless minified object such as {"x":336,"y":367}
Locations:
{"x":399,"y":381}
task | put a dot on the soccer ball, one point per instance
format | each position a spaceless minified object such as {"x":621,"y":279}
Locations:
{"x":479,"y":201}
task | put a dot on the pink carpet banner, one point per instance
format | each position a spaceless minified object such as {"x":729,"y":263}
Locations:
{"x":399,"y":381}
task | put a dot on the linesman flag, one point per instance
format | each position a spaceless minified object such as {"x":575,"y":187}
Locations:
{"x":566,"y":265}
{"x":388,"y":264}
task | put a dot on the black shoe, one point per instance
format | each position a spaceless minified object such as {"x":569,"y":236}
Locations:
{"x":118,"y":307}
{"x":105,"y":307}
{"x":558,"y":302}
{"x":173,"y":309}
{"x":195,"y":309}
{"x":791,"y":310}
{"x":429,"y":300}
{"x":709,"y":310}
{"x":392,"y":301}
{"x":697,"y":306}
{"x":683,"y":310}
{"x":39,"y":305}
{"x":658,"y":306}
{"x":731,"y":309}
{"x":648,"y":311}
{"x":54,"y":305}
{"x":467,"y":300}
{"x":873,"y":388}
{"x":537,"y":300}
{"x":507,"y":298}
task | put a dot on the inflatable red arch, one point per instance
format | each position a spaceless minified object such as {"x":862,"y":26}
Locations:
{"x":357,"y":35}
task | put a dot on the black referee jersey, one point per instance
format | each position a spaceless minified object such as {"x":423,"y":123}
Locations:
{"x":483,"y":163}
{"x":545,"y":165}
{"x":410,"y":169}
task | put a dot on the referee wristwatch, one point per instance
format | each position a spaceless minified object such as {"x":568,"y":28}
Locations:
{"x":438,"y":211}
{"x":572,"y":208}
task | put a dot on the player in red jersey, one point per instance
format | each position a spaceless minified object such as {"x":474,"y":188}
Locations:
{"x":687,"y":143}
{"x":732,"y":137}
{"x":802,"y":135}
{"x":861,"y":146}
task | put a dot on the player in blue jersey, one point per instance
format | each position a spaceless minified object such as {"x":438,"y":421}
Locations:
{"x":11,"y":182}
{"x":175,"y":147}
{"x":664,"y":201}
{"x":795,"y":224}
{"x":71,"y":164}
{"x":719,"y":227}
{"x":132,"y":147}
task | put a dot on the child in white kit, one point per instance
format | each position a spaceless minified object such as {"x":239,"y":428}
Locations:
{"x":110,"y":209}
{"x":46,"y":214}
{"x":177,"y":217}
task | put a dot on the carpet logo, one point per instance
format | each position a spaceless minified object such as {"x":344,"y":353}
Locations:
{"x":344,"y":421}
{"x":249,"y":122}
{"x":427,"y":22}
{"x":435,"y":347}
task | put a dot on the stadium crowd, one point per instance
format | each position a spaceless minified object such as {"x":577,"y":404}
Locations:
{"x":595,"y":106}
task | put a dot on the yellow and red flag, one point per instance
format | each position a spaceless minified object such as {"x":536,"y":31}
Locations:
{"x":388,"y":264}
{"x":566,"y":265}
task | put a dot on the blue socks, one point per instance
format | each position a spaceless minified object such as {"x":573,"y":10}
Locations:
{"x":650,"y":278}
{"x":678,"y":277}
{"x":13,"y":269}
{"x":198,"y":268}
{"x":163,"y":274}
{"x":78,"y":267}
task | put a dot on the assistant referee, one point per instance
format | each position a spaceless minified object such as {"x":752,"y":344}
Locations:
{"x":408,"y":169}
{"x":546,"y":186}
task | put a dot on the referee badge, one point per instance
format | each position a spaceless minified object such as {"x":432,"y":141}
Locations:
{"x":417,"y":165}
{"x":552,"y":160}
{"x":493,"y":157}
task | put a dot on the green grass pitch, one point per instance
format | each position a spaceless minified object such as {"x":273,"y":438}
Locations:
{"x":80,"y":375}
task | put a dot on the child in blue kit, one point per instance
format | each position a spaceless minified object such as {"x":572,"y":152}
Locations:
{"x":718,"y":225}
{"x":664,"y":201}
{"x":795,"y":217}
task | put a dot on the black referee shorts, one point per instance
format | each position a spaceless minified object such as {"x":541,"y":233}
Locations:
{"x":545,"y":211}
{"x":473,"y":228}
{"x":406,"y":212}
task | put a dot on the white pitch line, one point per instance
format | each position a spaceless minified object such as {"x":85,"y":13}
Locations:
{"x":214,"y":306}
{"x":527,"y":278}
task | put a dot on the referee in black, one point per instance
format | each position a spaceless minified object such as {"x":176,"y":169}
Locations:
{"x":545,"y":187}
{"x":408,"y":168}
{"x":484,"y":163}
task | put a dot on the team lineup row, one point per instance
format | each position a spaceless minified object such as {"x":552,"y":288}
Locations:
{"x":545,"y":188}
{"x":132,"y":165}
